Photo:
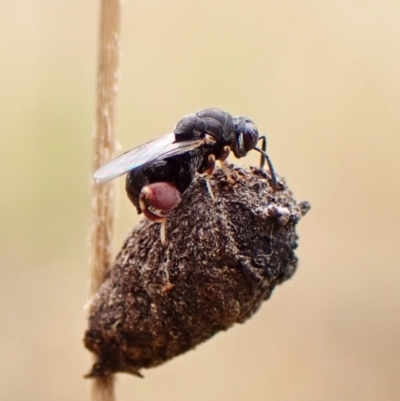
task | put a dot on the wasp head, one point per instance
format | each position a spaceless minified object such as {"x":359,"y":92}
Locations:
{"x":246,"y":136}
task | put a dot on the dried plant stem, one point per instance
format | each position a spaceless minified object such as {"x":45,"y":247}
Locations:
{"x":103,"y":196}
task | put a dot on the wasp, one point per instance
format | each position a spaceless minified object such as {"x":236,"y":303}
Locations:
{"x":160,"y":171}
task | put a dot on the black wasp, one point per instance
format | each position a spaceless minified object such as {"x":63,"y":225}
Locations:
{"x":159,"y":171}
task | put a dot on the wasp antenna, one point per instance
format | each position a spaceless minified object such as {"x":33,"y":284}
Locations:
{"x":270,"y":166}
{"x":263,"y":141}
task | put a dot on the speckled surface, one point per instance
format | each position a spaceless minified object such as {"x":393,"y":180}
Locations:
{"x":221,"y":260}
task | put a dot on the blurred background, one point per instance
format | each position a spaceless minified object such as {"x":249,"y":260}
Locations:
{"x":321,"y":79}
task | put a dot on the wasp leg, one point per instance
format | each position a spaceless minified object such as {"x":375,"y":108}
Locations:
{"x":161,"y":196}
{"x":209,"y":139}
{"x":162,"y":232}
{"x":224,"y":155}
{"x":209,"y":171}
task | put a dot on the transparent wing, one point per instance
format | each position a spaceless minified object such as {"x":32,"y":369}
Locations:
{"x":158,"y":149}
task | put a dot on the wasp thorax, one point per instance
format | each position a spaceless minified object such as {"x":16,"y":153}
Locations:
{"x":222,"y":259}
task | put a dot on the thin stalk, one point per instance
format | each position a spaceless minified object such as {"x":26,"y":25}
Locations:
{"x":103,"y":196}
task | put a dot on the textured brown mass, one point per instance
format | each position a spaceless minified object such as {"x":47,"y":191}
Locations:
{"x":220,"y":261}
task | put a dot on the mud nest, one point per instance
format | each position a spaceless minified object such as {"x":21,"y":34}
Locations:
{"x":221,"y":260}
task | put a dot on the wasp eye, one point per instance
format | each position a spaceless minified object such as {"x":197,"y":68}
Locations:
{"x":250,"y":136}
{"x":246,"y":136}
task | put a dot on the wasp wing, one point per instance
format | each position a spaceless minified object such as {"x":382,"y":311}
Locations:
{"x":157,"y":149}
{"x":178,"y":148}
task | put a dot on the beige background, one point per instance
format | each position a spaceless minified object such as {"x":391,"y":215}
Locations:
{"x":320,"y":78}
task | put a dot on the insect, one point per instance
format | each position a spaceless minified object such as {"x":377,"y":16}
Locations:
{"x":159,"y":171}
